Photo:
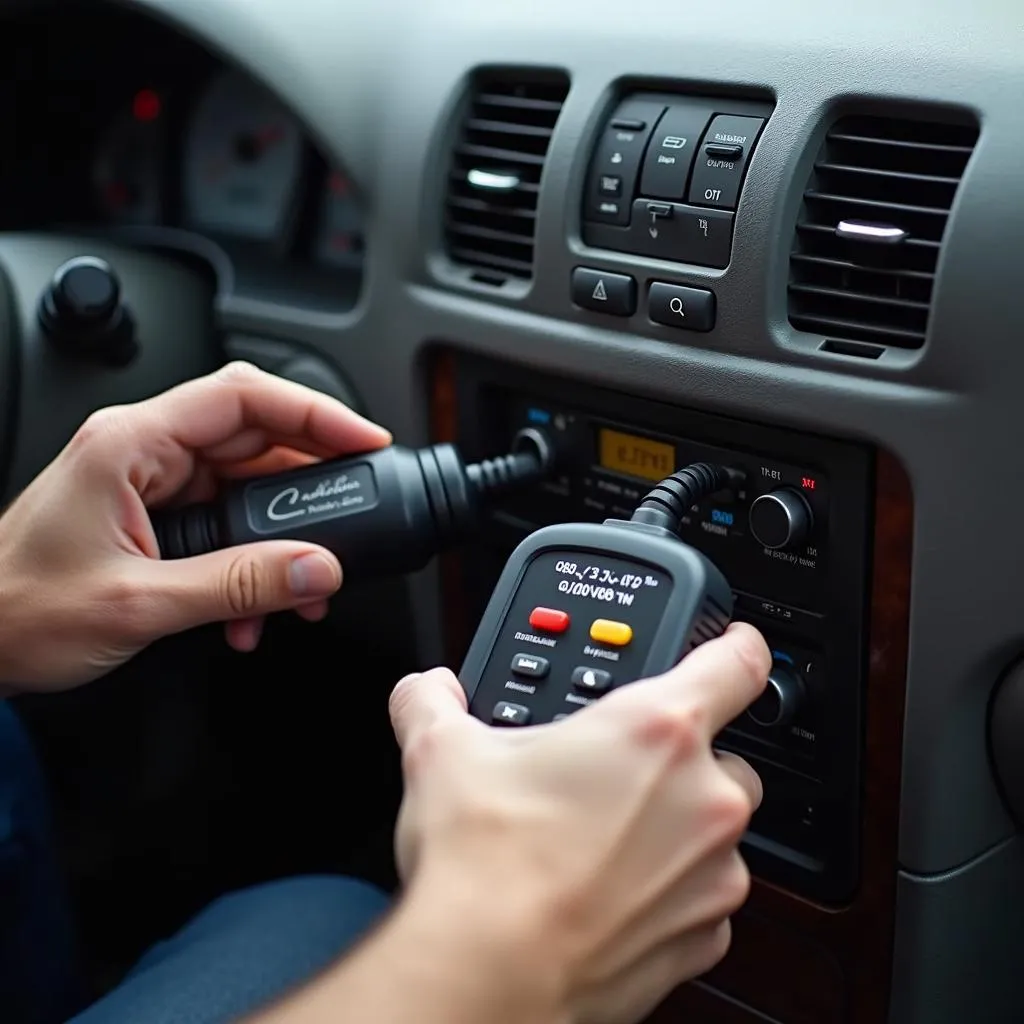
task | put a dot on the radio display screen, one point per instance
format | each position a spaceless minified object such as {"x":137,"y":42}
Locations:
{"x":635,"y":456}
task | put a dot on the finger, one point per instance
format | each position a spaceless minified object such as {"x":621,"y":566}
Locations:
{"x":635,"y":992}
{"x":716,"y":889}
{"x":204,"y":413}
{"x":243,"y":635}
{"x":723,"y":677}
{"x":696,"y":886}
{"x":202,"y":486}
{"x":274,"y":460}
{"x":422,"y":700}
{"x":315,"y":612}
{"x":743,"y":775}
{"x":252,"y":443}
{"x":207,"y":479}
{"x":243,"y":582}
{"x":167,"y":431}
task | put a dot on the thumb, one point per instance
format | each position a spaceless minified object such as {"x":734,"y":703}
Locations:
{"x":241,"y":582}
{"x":422,"y":700}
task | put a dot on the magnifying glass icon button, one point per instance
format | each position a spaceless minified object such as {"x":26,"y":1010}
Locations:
{"x":676,"y":306}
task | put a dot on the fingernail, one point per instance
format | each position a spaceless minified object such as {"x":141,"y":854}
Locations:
{"x":313,"y":576}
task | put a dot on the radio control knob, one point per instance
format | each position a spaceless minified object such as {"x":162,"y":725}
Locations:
{"x":781,"y":519}
{"x":781,"y":700}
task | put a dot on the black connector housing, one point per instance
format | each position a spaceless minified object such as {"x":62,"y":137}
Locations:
{"x":383,"y":513}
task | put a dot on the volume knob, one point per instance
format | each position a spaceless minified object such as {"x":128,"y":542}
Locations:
{"x":781,"y":700}
{"x":781,"y":519}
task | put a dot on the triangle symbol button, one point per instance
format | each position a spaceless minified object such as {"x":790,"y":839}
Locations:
{"x":599,"y":292}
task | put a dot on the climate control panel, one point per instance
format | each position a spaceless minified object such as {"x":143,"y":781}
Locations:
{"x":791,"y":539}
{"x":666,"y":173}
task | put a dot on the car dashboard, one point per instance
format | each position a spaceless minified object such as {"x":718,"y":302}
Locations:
{"x":782,"y":237}
{"x":147,"y":136}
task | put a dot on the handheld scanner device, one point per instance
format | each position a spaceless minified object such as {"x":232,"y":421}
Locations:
{"x":581,"y":608}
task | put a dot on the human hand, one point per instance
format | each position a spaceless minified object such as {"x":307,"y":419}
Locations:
{"x":82,"y":586}
{"x":598,"y":855}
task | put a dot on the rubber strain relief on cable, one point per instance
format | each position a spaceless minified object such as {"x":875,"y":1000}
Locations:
{"x":668,"y":503}
{"x":458,"y":492}
{"x":492,"y":476}
{"x":532,"y":457}
{"x":433,"y":482}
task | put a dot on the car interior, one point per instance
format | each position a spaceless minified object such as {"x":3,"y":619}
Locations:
{"x":781,"y":238}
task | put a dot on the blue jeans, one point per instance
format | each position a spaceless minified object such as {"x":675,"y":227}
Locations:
{"x":237,"y":955}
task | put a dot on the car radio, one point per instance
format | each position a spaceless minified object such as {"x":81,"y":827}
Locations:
{"x":791,"y":539}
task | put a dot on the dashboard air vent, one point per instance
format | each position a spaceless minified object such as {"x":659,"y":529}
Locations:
{"x":494,"y":182}
{"x":868,"y":238}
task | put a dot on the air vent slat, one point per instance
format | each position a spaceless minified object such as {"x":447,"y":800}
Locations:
{"x":833,"y":261}
{"x":883,"y":281}
{"x":459,"y":202}
{"x":928,"y":147}
{"x":480,"y":258}
{"x":459,"y":179}
{"x":879,"y":172}
{"x":911,"y":243}
{"x":496,"y":168}
{"x":505,"y":156}
{"x":457,"y":227}
{"x":479,"y":124}
{"x":492,"y":99}
{"x":867,"y":244}
{"x":846,"y":296}
{"x":878,"y":205}
{"x":855,"y":330}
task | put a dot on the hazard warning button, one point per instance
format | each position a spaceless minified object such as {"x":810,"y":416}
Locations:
{"x":602,"y":292}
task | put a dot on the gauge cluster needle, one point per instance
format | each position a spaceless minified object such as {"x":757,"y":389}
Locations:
{"x":246,"y":148}
{"x":251,"y":146}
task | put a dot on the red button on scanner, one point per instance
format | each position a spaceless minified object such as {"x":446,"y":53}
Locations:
{"x":551,"y":620}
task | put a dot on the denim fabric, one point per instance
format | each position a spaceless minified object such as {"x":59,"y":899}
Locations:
{"x":240,"y":953}
{"x":38,"y":984}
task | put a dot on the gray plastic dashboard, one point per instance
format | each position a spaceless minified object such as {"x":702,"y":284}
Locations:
{"x":377,"y":84}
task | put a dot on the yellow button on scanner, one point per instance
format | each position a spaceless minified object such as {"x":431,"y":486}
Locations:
{"x":605,"y":631}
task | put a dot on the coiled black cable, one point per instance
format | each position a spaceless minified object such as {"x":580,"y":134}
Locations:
{"x":666,"y":505}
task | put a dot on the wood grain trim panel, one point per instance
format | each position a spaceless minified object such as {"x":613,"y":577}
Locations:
{"x":792,"y":961}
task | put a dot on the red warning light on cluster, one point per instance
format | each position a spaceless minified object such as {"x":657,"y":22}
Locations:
{"x":146,"y":105}
{"x":809,"y":483}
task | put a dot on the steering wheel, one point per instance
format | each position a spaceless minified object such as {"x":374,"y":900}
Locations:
{"x":86,"y":324}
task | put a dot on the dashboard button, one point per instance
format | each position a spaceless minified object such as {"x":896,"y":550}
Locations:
{"x":671,"y":152}
{"x":603,"y":292}
{"x":718,"y":174}
{"x":683,"y":234}
{"x":611,"y":210}
{"x":691,"y":309}
{"x":723,"y":152}
{"x":618,"y":154}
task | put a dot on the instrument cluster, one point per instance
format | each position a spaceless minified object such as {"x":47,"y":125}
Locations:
{"x":146,"y":134}
{"x":241,"y":171}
